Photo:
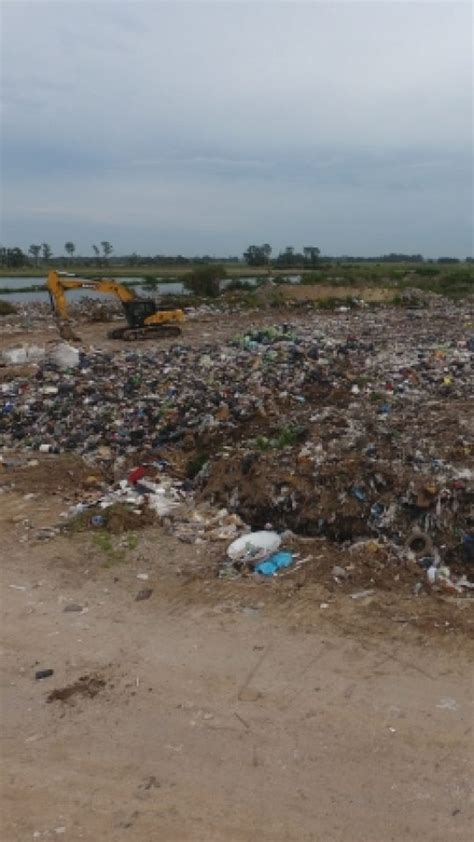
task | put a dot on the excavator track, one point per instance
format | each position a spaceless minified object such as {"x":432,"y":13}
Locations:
{"x":138,"y":334}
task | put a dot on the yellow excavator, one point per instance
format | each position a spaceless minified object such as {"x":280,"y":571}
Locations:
{"x":144,"y":319}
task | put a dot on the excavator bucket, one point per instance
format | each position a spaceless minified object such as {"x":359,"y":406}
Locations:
{"x":66,"y":332}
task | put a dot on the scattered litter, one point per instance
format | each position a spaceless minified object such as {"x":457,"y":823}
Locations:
{"x":254,"y":547}
{"x":274,"y":563}
{"x":23,"y":355}
{"x":448,"y":704}
{"x":40,"y":674}
{"x":64,"y":355}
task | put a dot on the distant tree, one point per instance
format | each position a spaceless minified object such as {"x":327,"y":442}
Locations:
{"x":12,"y":258}
{"x":311,"y":254}
{"x":258,"y":255}
{"x":46,"y":252}
{"x":70,"y":249}
{"x":394,"y":257}
{"x":206,"y":280}
{"x":35,"y":252}
{"x":96,"y":251}
{"x":448,"y":260}
{"x":287,"y":258}
{"x":133,"y":259}
{"x":107,"y":248}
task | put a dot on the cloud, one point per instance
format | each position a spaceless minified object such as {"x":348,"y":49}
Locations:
{"x":192,"y":123}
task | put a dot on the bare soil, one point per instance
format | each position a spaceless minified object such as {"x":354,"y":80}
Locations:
{"x":220,"y":710}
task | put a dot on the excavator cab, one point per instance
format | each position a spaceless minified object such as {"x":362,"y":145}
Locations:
{"x":137,"y":311}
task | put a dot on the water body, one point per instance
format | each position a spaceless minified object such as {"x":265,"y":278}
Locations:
{"x":157,"y":291}
{"x":172,"y":288}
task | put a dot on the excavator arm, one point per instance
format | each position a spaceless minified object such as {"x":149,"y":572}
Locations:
{"x":58,"y":285}
{"x":144,"y":320}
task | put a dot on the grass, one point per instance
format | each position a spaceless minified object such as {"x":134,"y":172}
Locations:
{"x":453,"y":281}
{"x":114,"y":539}
{"x":30,"y":288}
{"x":237,"y":285}
{"x":170,"y":272}
{"x":114,"y":554}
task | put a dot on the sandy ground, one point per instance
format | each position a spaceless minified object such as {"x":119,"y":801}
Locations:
{"x":221,"y":714}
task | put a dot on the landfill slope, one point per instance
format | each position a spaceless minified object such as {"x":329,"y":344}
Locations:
{"x":352,"y":428}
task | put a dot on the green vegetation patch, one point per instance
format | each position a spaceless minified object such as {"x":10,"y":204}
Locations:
{"x":7,"y":309}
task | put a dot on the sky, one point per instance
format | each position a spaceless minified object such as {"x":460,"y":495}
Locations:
{"x":203,"y":127}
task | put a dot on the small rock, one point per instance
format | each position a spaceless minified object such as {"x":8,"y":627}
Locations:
{"x":145,"y":593}
{"x":73,"y":606}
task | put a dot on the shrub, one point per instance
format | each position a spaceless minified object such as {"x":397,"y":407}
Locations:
{"x":205,"y":280}
{"x":427,"y":271}
{"x":7,"y":309}
{"x":237,"y":284}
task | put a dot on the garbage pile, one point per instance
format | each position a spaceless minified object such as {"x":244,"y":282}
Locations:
{"x":161,"y":496}
{"x":347,"y":427}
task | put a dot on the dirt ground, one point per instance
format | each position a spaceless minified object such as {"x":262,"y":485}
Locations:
{"x":208,"y":710}
{"x":185,"y":708}
{"x":195,"y":332}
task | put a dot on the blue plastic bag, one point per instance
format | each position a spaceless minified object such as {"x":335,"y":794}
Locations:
{"x":276,"y":561}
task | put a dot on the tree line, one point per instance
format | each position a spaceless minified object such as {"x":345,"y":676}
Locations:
{"x":311,"y":256}
{"x":41,"y":254}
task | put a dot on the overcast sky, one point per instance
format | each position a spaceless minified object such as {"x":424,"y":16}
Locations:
{"x":203,"y":127}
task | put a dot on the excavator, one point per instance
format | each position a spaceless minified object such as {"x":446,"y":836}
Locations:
{"x":144,"y":319}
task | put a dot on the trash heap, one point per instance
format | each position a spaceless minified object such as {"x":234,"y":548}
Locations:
{"x":164,"y":497}
{"x":350,"y":427}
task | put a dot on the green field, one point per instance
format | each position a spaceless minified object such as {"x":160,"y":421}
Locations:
{"x":234,"y":270}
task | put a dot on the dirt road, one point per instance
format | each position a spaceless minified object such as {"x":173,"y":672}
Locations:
{"x":201,"y":717}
